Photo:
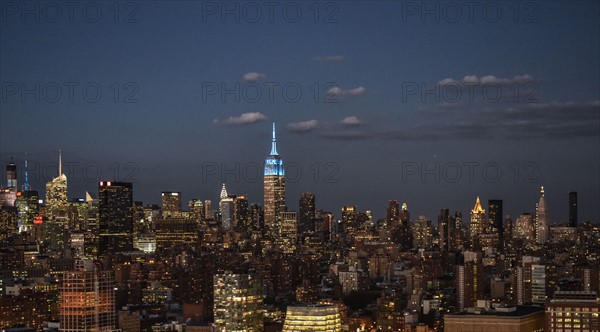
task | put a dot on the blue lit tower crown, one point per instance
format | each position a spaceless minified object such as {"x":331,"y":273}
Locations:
{"x":274,"y":193}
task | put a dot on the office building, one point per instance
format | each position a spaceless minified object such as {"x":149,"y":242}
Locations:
{"x":115,"y":226}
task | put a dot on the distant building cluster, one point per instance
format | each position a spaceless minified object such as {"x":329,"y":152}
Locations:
{"x":105,"y":262}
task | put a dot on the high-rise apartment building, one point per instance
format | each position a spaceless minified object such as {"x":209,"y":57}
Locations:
{"x":238,"y":302}
{"x":87,"y":299}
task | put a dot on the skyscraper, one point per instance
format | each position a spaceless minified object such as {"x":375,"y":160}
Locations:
{"x":573,"y":209}
{"x":477,"y":223}
{"x":405,"y":228}
{"x":542,"y":230}
{"x":306,"y":214}
{"x":11,"y":175}
{"x":349,"y":224}
{"x":289,"y":232}
{"x":170,"y":203}
{"x":27,"y":205}
{"x":226,"y":208}
{"x":241,"y":213}
{"x":422,"y":234}
{"x":238,"y":302}
{"x":115,"y":201}
{"x":444,"y":226}
{"x":87,"y":299}
{"x":56,"y":191}
{"x":393,"y":214}
{"x":495,"y":222}
{"x":274,"y":189}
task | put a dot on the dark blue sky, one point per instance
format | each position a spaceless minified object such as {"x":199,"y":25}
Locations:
{"x":366,"y":95}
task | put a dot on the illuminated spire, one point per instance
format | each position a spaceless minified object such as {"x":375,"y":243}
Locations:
{"x":274,"y":143}
{"x":223,"y":192}
{"x":478,"y":208}
{"x":542,"y":191}
{"x":60,"y":163}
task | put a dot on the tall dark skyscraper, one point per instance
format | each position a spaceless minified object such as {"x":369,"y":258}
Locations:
{"x":241,"y":212}
{"x":393,"y":214}
{"x":274,"y":189}
{"x":306,"y":215}
{"x":573,"y":209}
{"x":444,"y":226}
{"x":495,"y":219}
{"x":11,"y":175}
{"x":115,"y":201}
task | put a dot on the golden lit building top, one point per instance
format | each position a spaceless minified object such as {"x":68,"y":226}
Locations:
{"x":477,"y":208}
{"x":325,"y":318}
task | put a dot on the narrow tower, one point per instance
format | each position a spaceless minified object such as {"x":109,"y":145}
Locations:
{"x":542,"y":229}
{"x":274,"y":189}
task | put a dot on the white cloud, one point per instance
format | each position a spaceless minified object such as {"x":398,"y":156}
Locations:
{"x":350,"y":92}
{"x":491,"y":79}
{"x":470,"y":79}
{"x":254,"y":76}
{"x":302,"y":126}
{"x":351,"y":121}
{"x":329,"y":58}
{"x":447,"y":81}
{"x":523,"y":78}
{"x":245,"y":118}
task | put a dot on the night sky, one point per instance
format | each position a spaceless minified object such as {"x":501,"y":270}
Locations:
{"x":367,"y":96}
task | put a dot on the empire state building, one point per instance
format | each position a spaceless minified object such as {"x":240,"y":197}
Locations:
{"x":274,"y":194}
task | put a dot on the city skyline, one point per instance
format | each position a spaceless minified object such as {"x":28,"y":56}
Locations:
{"x":378,"y":212}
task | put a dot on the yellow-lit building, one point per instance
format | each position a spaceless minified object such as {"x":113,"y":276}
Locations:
{"x":87,"y":299}
{"x":323,"y":318}
{"x":238,"y":302}
{"x":573,"y":312}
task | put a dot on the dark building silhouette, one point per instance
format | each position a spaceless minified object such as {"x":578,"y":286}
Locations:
{"x":115,"y":200}
{"x":573,"y":209}
{"x":495,"y":219}
{"x":444,"y":226}
{"x":306,"y":214}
